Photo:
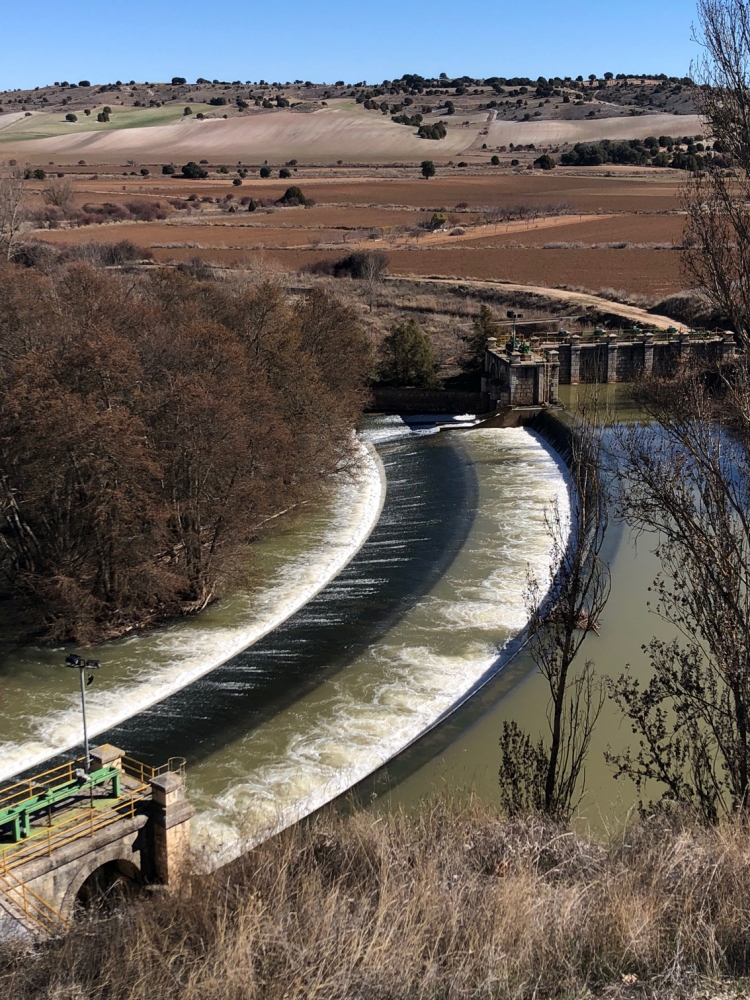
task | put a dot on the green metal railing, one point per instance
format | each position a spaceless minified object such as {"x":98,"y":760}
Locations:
{"x":79,"y":823}
{"x":26,"y":789}
{"x":18,"y":816}
{"x":65,"y":795}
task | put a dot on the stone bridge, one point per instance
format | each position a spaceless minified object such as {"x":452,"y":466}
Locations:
{"x":531,"y":377}
{"x":68,"y":837}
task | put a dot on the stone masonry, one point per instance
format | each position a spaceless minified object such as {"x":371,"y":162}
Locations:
{"x":512,"y":379}
{"x":149,"y":844}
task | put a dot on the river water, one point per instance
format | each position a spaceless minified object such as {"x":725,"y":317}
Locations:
{"x":463,"y":756}
{"x":39,"y":700}
{"x":426,"y":610}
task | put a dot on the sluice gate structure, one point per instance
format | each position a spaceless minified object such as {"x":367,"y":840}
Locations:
{"x":530,"y":375}
{"x":69,"y":835}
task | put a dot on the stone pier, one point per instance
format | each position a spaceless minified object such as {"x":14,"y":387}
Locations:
{"x":120,"y":825}
{"x":531,"y":377}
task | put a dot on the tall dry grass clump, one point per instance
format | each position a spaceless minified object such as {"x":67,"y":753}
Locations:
{"x":454,"y":902}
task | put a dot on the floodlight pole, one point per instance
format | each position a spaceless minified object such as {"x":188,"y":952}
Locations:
{"x":85,"y":730}
{"x":78,"y":661}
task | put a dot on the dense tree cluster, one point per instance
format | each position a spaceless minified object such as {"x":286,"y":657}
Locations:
{"x":662,"y":152}
{"x":407,"y":358}
{"x":413,"y":121}
{"x":360,"y":265}
{"x":149,"y":426}
{"x":437,"y":131}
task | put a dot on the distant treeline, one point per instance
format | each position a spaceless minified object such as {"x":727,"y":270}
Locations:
{"x":148,"y":426}
{"x":663,"y":151}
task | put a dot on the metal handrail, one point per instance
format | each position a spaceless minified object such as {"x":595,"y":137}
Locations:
{"x":628,"y":336}
{"x":144,"y":772}
{"x":26,"y":788}
{"x":83,"y":822}
{"x":177,"y":765}
{"x":36,"y":909}
{"x":72,"y":829}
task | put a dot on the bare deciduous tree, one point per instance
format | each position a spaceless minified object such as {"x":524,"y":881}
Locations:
{"x":549,"y":775}
{"x":13,"y":214}
{"x":59,"y":192}
{"x":717,"y":199}
{"x":373,"y":267}
{"x":687,"y":478}
{"x":149,"y":425}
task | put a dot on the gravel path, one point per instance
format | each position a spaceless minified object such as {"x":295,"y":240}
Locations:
{"x":577,"y":298}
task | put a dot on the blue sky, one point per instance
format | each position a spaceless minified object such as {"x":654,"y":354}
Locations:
{"x":232,"y":40}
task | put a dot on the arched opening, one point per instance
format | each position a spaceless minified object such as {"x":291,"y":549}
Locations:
{"x":108,"y":885}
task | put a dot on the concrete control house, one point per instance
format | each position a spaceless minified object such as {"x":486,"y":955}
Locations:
{"x":531,"y":377}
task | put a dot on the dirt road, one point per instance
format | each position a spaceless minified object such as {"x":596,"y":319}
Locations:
{"x":576,"y":298}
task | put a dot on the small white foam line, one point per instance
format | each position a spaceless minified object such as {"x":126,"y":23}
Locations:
{"x":352,"y":739}
{"x":359,"y":505}
{"x":395,"y":428}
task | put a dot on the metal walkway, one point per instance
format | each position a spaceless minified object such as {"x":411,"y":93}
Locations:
{"x":50,"y":810}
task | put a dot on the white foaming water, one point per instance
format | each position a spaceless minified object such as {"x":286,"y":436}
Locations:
{"x":395,"y":427}
{"x":445,"y":646}
{"x":40,"y":701}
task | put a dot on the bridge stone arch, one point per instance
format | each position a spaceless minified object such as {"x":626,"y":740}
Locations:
{"x":141,"y":826}
{"x":116,"y":853}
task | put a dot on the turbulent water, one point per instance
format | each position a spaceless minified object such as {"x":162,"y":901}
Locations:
{"x":424,"y":613}
{"x":454,"y":635}
{"x":40,"y":711}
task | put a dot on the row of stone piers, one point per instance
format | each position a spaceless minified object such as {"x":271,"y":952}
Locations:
{"x":512,"y":378}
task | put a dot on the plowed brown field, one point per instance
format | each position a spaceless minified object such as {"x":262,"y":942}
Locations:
{"x":633,"y":229}
{"x":651,"y":272}
{"x":640,"y":210}
{"x":201,"y":236}
{"x":649,"y":191}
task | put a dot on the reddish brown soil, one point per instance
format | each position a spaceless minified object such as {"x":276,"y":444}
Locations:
{"x":347,"y":205}
{"x":651,"y":191}
{"x":197,"y":236}
{"x":652,"y":272}
{"x":587,"y":194}
{"x":637,"y":229}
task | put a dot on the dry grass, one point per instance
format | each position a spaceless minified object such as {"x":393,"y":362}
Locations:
{"x":455,"y":902}
{"x":445,"y":314}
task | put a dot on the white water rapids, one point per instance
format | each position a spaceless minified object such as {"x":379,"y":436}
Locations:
{"x":356,"y":720}
{"x":40,"y":712}
{"x":263,"y":772}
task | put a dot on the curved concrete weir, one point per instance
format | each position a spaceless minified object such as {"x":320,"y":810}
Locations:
{"x":39,"y":707}
{"x":426,"y":611}
{"x":453,"y":636}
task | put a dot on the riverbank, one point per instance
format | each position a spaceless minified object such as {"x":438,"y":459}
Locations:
{"x":291,"y":566}
{"x":455,"y":901}
{"x":462,"y":753}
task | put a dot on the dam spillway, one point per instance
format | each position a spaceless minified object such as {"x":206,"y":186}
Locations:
{"x":428,"y":607}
